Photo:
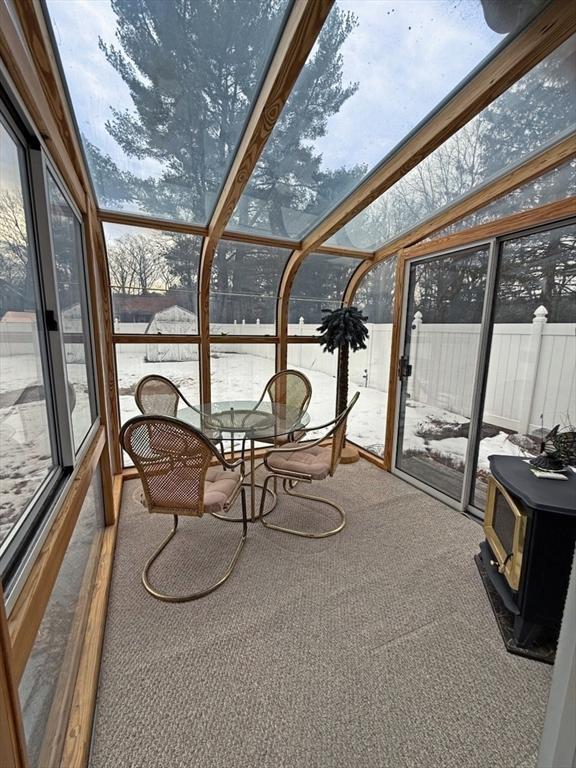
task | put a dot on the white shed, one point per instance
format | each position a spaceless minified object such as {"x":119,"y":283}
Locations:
{"x":170,"y":321}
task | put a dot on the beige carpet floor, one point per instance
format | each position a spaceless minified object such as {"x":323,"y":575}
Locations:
{"x":376,"y":647}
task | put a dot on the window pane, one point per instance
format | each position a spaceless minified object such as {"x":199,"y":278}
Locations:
{"x":74,"y":319}
{"x":177,"y":362}
{"x":321,"y":369}
{"x":342,"y":116}
{"x":154,"y":280}
{"x":531,"y":383}
{"x":444,"y":316}
{"x":241,"y":371}
{"x":161,"y":92}
{"x":319,"y":284}
{"x":370,"y":368}
{"x":26,"y":453}
{"x":554,"y":185}
{"x":534,"y":111}
{"x":244,"y":287}
{"x":47,"y":683}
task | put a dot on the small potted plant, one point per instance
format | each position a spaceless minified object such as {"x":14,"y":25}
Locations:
{"x":343,"y":329}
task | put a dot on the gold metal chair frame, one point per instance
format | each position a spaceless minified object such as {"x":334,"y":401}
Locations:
{"x":178,"y":396}
{"x":198,"y":508}
{"x":289,"y":479}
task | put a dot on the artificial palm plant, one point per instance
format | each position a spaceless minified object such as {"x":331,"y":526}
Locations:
{"x":343,"y":329}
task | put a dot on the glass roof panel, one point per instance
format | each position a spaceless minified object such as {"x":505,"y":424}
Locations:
{"x":244,"y":287}
{"x":161,"y":92}
{"x":375,"y":294}
{"x":319,"y":284}
{"x":534,"y":111}
{"x":378,"y":68}
{"x":548,"y":188}
{"x":153,"y":280}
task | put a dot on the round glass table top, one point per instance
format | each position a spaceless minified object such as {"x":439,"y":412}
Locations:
{"x":258,"y":420}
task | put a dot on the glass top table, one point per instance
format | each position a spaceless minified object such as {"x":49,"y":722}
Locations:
{"x":254,"y":419}
{"x":257,"y":420}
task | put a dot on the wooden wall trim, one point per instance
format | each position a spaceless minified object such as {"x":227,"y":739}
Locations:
{"x":555,"y":24}
{"x":27,"y":613}
{"x":28,"y":82}
{"x":508,"y":225}
{"x":302,"y":339}
{"x":102,"y":322}
{"x":257,"y":239}
{"x":536,"y":166}
{"x":351,"y":253}
{"x":143,"y":338}
{"x":104,"y":312}
{"x":399,"y":288}
{"x":368,"y":456}
{"x":76,"y":749}
{"x":204,"y":278}
{"x":13,"y":752}
{"x":150,"y":222}
{"x":168,"y":225}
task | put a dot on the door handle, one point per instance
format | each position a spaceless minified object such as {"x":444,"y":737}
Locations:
{"x":404,"y":368}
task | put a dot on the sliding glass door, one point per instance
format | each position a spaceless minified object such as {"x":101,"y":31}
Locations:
{"x":445,"y":307}
{"x":489,"y":358}
{"x":531,"y":368}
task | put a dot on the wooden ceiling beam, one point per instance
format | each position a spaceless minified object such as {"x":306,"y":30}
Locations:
{"x":508,"y":225}
{"x":297,"y":40}
{"x":555,"y":24}
{"x":351,"y":253}
{"x":148,"y":222}
{"x":300,"y":32}
{"x":537,"y":165}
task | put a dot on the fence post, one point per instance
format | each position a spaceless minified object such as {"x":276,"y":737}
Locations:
{"x":532,"y":363}
{"x":416,"y":323}
{"x":301,"y":327}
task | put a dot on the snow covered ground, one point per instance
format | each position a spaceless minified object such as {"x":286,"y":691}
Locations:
{"x":235,"y":376}
{"x":26,"y":454}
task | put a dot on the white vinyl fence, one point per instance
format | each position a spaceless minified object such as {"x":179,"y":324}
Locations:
{"x":532,"y":365}
{"x":531,"y":378}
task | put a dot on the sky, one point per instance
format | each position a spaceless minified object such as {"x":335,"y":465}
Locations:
{"x":406,"y":55}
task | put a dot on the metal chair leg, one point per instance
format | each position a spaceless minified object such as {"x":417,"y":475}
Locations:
{"x":288,"y":484}
{"x":194,"y":595}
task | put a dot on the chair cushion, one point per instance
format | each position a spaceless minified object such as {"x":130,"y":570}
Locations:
{"x":314,"y":461}
{"x":294,"y":437}
{"x":219,"y":487}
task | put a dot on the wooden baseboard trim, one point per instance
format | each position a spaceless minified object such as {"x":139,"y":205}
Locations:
{"x":368,"y":456}
{"x":76,"y":749}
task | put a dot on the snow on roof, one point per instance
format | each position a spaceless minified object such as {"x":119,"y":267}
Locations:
{"x":13,"y":316}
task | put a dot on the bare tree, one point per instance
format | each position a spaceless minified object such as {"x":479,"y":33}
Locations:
{"x":16,"y":268}
{"x":138,"y":263}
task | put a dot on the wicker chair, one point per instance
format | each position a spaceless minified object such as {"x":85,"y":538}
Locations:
{"x":306,"y":462}
{"x":173,"y":462}
{"x":287,"y":388}
{"x":158,"y":396}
